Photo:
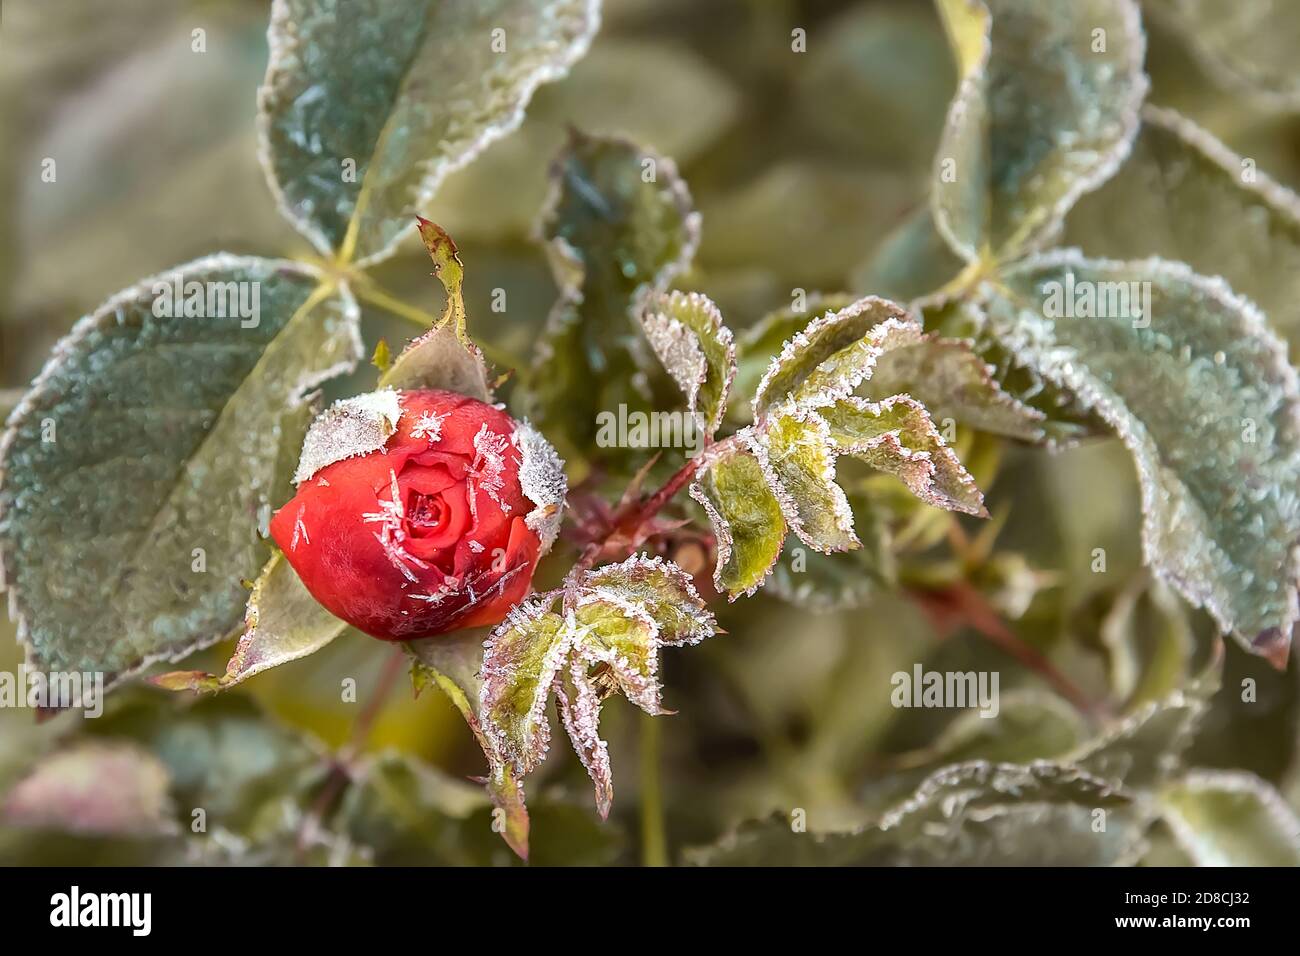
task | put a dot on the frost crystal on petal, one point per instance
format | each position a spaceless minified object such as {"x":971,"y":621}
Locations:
{"x":542,"y":478}
{"x":348,"y":428}
{"x":487,"y":472}
{"x":391,"y":534}
{"x":429,"y":426}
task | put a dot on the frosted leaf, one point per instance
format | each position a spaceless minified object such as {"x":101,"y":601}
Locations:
{"x":542,"y":479}
{"x":623,"y":637}
{"x":679,"y":351}
{"x":613,"y":237}
{"x":282,"y":623}
{"x":911,"y":261}
{"x":100,"y":788}
{"x":795,"y":453}
{"x":520,"y":661}
{"x":685,"y":329}
{"x":605,"y":637}
{"x":829,"y":358}
{"x":185,"y":427}
{"x":897,"y":436}
{"x":951,"y":381}
{"x":410,"y":90}
{"x":757,"y":344}
{"x":663,"y":589}
{"x":444,"y":357}
{"x":746,"y":518}
{"x":579,"y":707}
{"x":1182,"y":196}
{"x":1041,"y":116}
{"x":969,"y":814}
{"x":454,"y":662}
{"x":349,"y":428}
{"x":1146,"y":747}
{"x":1246,"y":45}
{"x":1199,"y":390}
{"x":1231,"y":818}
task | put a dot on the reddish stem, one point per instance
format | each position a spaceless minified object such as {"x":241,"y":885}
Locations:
{"x":627,"y":521}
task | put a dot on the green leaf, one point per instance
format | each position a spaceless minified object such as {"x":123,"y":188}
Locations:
{"x":454,"y":663}
{"x":177,"y":424}
{"x":1228,"y":818}
{"x":625,"y":639}
{"x":913,"y":260}
{"x":654,"y":91}
{"x":797,"y":458}
{"x":1184,"y":195}
{"x":1246,"y":45}
{"x":520,"y":662}
{"x":896,"y":436}
{"x":619,"y":226}
{"x":94,"y":787}
{"x":951,"y":381}
{"x":686,"y":332}
{"x":1029,"y":725}
{"x":759,"y":344}
{"x":606,"y":637}
{"x":834,"y":353}
{"x":1146,"y":747}
{"x":663,"y":589}
{"x":970,"y":814}
{"x":366,"y":108}
{"x":444,"y":357}
{"x":1046,"y":110}
{"x":1199,"y":390}
{"x":746,"y":517}
{"x":282,"y":623}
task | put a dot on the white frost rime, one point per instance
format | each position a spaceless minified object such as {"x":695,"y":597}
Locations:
{"x":348,"y":428}
{"x":542,"y":478}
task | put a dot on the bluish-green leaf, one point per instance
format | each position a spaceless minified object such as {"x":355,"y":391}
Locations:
{"x":1183,"y":195}
{"x":1199,"y":389}
{"x":1046,"y":110}
{"x":137,"y":469}
{"x":367,"y":106}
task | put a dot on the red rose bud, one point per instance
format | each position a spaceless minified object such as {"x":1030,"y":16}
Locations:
{"x":420,"y":512}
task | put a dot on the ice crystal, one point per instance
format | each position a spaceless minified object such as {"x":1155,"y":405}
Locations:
{"x":429,"y":426}
{"x":347,"y":429}
{"x":542,"y":478}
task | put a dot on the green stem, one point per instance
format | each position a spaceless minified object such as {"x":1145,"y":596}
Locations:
{"x":654,"y":840}
{"x":371,"y":292}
